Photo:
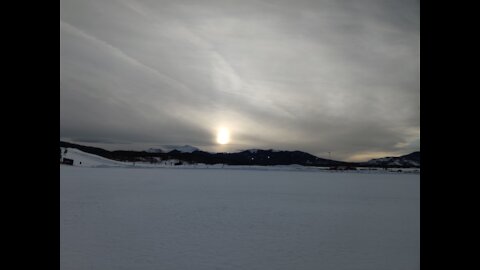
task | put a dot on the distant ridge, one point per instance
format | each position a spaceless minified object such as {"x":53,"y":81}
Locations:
{"x":169,"y":148}
{"x":192,"y":154}
{"x":410,"y":160}
{"x":185,"y":149}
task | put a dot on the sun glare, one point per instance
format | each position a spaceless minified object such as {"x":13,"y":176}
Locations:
{"x":223,"y":136}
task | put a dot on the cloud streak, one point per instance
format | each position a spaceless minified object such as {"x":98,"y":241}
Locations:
{"x":318,"y":76}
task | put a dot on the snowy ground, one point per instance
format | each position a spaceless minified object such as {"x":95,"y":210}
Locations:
{"x":187,"y":218}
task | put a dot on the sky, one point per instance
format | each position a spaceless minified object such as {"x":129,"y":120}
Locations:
{"x":320,"y":76}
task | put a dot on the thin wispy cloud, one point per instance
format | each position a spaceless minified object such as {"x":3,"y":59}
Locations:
{"x":318,"y":76}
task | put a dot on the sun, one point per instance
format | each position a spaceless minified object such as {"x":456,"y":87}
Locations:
{"x":223,"y":136}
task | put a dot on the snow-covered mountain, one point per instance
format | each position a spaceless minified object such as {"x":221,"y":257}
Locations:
{"x":155,"y":150}
{"x":191,"y":154}
{"x":255,"y":150}
{"x":412,"y":160}
{"x":170,"y":148}
{"x":185,"y":149}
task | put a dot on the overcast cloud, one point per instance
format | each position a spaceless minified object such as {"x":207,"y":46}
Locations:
{"x":316,"y":76}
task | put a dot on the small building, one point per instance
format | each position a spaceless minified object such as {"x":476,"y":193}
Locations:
{"x":67,"y":161}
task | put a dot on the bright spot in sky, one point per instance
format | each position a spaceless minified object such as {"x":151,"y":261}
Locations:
{"x":223,"y":136}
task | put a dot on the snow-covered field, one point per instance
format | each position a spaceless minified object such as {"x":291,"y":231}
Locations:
{"x":187,"y":218}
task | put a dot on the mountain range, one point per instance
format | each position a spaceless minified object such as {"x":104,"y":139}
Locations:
{"x":192,"y":154}
{"x":410,"y":160}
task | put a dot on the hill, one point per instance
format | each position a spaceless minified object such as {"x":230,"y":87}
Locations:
{"x":410,"y":160}
{"x":190,"y":154}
